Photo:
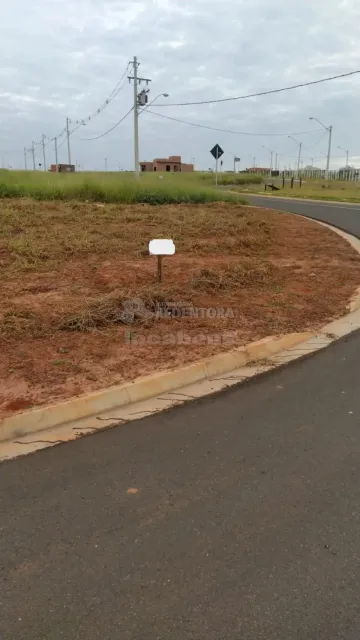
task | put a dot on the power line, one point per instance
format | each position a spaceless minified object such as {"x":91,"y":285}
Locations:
{"x":7,"y":151}
{"x":305,"y":146}
{"x":109,"y":130}
{"x":260,"y":93}
{"x":324,"y":157}
{"x":37,"y":144}
{"x":241,"y":133}
{"x":71,"y":132}
{"x":119,"y":87}
{"x":285,"y":155}
{"x":115,"y":91}
{"x":318,"y":142}
{"x":55,"y":137}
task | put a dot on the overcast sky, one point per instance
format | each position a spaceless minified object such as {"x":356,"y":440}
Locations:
{"x":63,"y":58}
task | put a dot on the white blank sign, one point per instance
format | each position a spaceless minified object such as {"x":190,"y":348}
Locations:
{"x":161,"y":247}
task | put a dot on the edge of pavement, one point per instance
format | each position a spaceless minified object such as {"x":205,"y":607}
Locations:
{"x":46,"y":426}
{"x":255,"y":194}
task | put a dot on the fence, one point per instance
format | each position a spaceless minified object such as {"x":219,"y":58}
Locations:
{"x":319,"y":174}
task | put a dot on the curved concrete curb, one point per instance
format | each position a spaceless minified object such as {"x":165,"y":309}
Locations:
{"x":95,"y":404}
{"x":150,"y":394}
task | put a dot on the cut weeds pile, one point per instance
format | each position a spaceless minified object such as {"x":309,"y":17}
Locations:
{"x":68,"y":270}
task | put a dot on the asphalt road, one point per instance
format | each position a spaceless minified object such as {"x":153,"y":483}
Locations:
{"x":242,"y":520}
{"x":346,"y":216}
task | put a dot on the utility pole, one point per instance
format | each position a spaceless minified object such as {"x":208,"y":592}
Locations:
{"x":299,"y":144}
{"x":25,"y":158}
{"x":68,"y":139}
{"x":136,"y":121}
{"x":271,"y":158}
{"x":137,"y":102}
{"x":328,"y":154}
{"x":276,"y":161}
{"x":43,"y":146}
{"x":33,"y":154}
{"x":299,"y":158}
{"x":329,"y":129}
{"x":56,"y":155}
{"x":254,"y":162}
{"x":216,"y":167}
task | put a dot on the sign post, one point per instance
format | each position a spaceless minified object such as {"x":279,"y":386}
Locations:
{"x":159,"y":269}
{"x":217,"y":152}
{"x":160,"y":248}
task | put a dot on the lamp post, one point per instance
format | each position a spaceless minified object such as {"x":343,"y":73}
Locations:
{"x":347,"y":155}
{"x":329,"y":129}
{"x":299,"y":157}
{"x":271,"y":157}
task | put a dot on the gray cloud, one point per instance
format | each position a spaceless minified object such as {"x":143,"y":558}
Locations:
{"x":62,"y":58}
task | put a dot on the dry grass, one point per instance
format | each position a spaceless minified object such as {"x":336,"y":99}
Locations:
{"x":40,"y":242}
{"x":247,"y":274}
{"x":39,"y":236}
{"x":67,"y":269}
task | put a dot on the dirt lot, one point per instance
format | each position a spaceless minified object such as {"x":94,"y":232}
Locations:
{"x":68,"y":270}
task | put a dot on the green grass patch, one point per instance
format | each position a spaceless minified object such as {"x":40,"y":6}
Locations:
{"x":112,"y":188}
{"x":236,"y":179}
{"x":338,"y":190}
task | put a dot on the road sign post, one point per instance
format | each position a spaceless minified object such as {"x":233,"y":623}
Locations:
{"x":217,"y":152}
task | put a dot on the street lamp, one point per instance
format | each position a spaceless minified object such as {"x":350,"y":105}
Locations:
{"x":329,"y":129}
{"x":300,"y":147}
{"x":161,"y":95}
{"x":271,"y":156}
{"x":253,"y":161}
{"x":347,"y":155}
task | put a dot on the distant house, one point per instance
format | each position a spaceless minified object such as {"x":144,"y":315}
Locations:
{"x":62,"y":168}
{"x":348,"y":172}
{"x":171,"y":164}
{"x":263,"y":171}
{"x":310,"y":167}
